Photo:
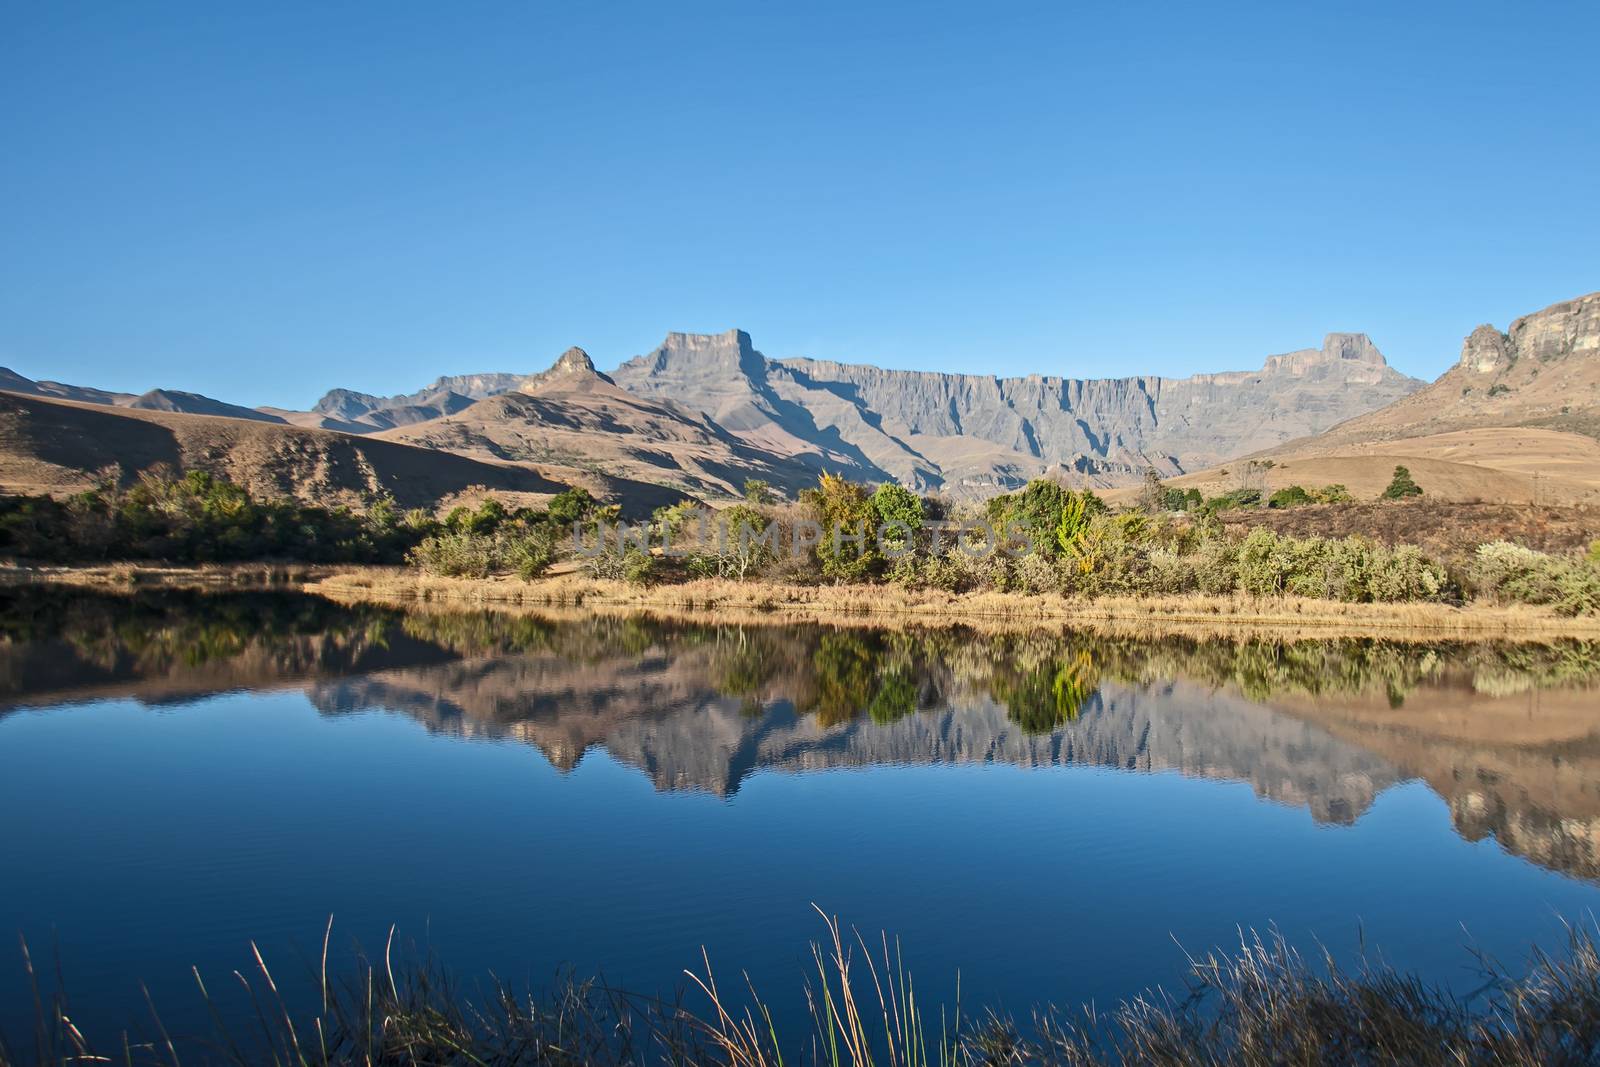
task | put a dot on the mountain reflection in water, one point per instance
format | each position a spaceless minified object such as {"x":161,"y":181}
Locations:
{"x":1508,"y":735}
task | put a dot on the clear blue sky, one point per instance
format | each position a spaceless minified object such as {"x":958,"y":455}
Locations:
{"x":262,"y":204}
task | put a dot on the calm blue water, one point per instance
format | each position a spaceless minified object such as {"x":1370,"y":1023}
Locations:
{"x":1051,"y":816}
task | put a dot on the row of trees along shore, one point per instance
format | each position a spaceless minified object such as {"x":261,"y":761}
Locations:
{"x":1168,"y":542}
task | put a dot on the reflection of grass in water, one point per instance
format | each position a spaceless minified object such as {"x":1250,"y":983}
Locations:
{"x":1043,"y":678}
{"x":1261,"y":1005}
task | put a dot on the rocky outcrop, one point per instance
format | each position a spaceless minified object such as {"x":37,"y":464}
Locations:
{"x":1485,"y":351}
{"x":1544,"y":372}
{"x":572,"y":368}
{"x":968,"y":434}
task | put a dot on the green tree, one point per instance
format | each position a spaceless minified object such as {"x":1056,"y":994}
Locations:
{"x":900,"y":510}
{"x":847,"y":550}
{"x":757,"y":492}
{"x":1401,"y":486}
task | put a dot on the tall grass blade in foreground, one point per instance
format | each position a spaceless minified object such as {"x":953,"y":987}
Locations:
{"x":1261,"y":1005}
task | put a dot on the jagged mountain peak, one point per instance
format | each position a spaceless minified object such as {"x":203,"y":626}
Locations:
{"x":573,"y":367}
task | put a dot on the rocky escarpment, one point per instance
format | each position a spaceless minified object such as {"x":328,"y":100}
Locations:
{"x":971,"y":434}
{"x":1544,"y":371}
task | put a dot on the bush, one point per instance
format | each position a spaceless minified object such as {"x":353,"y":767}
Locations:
{"x":1237,"y":498}
{"x":198,"y":517}
{"x":1293,"y":496}
{"x":457,"y":554}
{"x":1401,"y":486}
{"x":1512,"y":574}
{"x":846,"y":551}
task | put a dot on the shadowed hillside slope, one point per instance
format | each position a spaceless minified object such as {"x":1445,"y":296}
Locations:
{"x":574,"y":416}
{"x":49,"y":446}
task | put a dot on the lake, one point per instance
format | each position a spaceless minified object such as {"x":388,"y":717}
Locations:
{"x":1057,"y":817}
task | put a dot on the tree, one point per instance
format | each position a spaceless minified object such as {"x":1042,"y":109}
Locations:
{"x":1401,"y":486}
{"x":899,"y":514}
{"x":1153,"y":493}
{"x":847,"y":550}
{"x":757,"y":492}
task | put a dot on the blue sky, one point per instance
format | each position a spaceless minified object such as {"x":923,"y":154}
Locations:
{"x":262,"y":204}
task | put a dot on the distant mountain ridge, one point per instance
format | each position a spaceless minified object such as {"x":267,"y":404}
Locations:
{"x":574,"y":416}
{"x":968,"y":434}
{"x":701,"y":412}
{"x":447,"y":395}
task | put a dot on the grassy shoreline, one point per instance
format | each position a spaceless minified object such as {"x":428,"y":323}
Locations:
{"x":879,"y":605}
{"x":855,"y":605}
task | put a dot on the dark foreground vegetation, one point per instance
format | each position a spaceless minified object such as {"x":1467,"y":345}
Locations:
{"x":198,"y":518}
{"x":1264,"y":1005}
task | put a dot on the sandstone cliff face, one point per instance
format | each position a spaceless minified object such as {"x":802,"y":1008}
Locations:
{"x":967,"y":434}
{"x":1544,"y":371}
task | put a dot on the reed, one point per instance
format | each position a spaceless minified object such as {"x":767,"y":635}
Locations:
{"x":1263,"y":1004}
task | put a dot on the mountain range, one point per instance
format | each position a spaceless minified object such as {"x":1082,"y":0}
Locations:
{"x":700,"y":413}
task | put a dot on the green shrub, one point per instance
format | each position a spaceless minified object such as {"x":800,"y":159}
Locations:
{"x":1290,"y":497}
{"x":1039,"y":510}
{"x":1401,"y":486}
{"x":757,"y":492}
{"x":1513,"y":574}
{"x":198,"y":517}
{"x":1236,"y":498}
{"x":847,"y":551}
{"x":457,"y":554}
{"x":1331,"y":494}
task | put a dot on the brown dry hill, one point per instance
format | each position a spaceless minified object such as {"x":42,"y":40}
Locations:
{"x":576,"y":417}
{"x":57,"y":447}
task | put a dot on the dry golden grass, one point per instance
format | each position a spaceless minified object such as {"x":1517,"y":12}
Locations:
{"x":1515,"y":465}
{"x":876,"y":605}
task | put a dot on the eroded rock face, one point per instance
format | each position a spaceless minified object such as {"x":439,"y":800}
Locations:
{"x":969,"y":434}
{"x":1560,"y":330}
{"x":1543,"y":371}
{"x":574,"y":365}
{"x":1485,"y":351}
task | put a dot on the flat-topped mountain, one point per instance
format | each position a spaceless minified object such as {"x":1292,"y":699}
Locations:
{"x":969,"y":434}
